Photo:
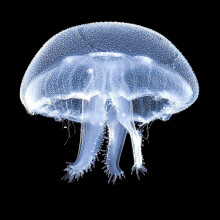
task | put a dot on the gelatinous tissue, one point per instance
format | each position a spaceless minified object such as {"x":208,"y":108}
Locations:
{"x":108,"y":76}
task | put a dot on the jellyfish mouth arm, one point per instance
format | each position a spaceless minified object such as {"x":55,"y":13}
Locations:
{"x":90,"y":139}
{"x":124,"y":113}
{"x":117,"y":135}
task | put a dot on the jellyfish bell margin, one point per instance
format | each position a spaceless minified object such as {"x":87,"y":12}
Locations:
{"x":108,"y":81}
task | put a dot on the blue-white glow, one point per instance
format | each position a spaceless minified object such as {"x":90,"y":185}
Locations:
{"x":108,"y":75}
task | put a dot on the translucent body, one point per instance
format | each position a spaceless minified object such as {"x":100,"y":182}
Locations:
{"x":108,"y":74}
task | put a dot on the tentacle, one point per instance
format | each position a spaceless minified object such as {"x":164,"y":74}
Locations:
{"x":125,"y":117}
{"x":93,"y":118}
{"x":117,"y":135}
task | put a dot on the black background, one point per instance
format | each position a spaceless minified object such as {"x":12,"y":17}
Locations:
{"x":173,"y":154}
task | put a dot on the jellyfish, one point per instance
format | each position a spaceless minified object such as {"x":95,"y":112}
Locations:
{"x":108,"y":76}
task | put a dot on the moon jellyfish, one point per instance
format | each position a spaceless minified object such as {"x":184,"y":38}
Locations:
{"x":108,"y":76}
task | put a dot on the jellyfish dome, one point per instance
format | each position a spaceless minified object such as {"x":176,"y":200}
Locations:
{"x":108,"y":76}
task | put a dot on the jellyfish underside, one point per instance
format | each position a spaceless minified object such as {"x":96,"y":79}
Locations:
{"x":119,"y":115}
{"x":107,"y":90}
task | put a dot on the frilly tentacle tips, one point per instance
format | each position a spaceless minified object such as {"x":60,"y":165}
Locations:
{"x":90,"y":139}
{"x":118,"y":118}
{"x":136,"y":169}
{"x":117,"y":135}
